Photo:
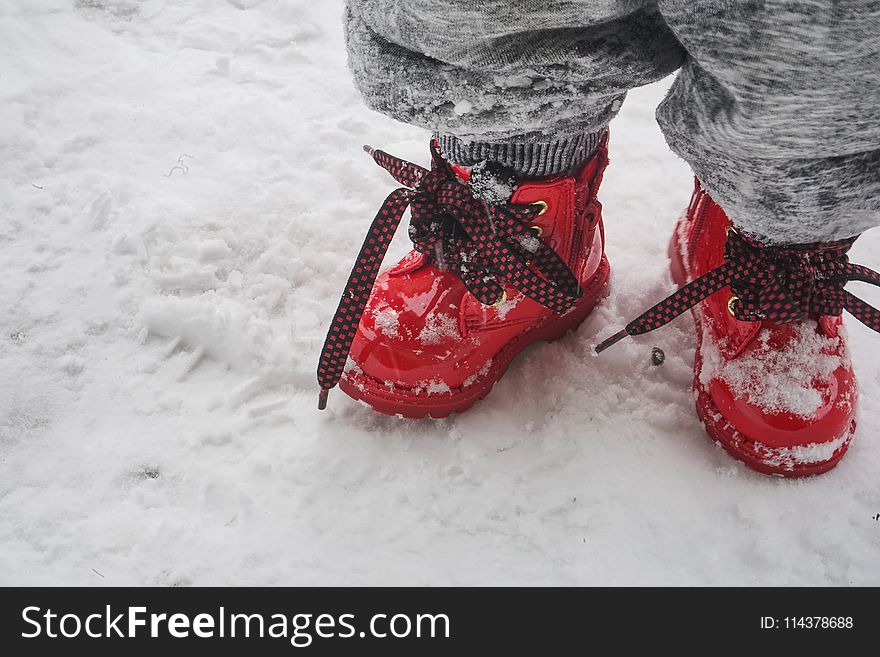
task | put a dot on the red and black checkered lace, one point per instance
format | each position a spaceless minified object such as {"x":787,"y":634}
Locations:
{"x":776,"y":283}
{"x":488,"y":246}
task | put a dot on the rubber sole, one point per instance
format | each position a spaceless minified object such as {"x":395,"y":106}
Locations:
{"x":747,"y":449}
{"x":418,"y":404}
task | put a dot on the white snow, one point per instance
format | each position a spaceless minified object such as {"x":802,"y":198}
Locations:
{"x":778,"y":380}
{"x":530,"y":243}
{"x":387,"y":320}
{"x":483,"y":371}
{"x":788,"y":457}
{"x":489,"y":186}
{"x":463,"y":107}
{"x":503,"y":308}
{"x":437,"y":328}
{"x":436,"y":387}
{"x":182,"y":195}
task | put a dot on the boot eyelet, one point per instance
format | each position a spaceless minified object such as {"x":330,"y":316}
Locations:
{"x":500,"y":300}
{"x":542,"y":205}
{"x":537,"y":230}
{"x":731,"y":302}
{"x":730,"y":230}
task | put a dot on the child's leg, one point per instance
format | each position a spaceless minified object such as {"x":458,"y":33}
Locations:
{"x":530,"y":85}
{"x":777,"y":109}
{"x":499,"y":261}
{"x":778,"y":112}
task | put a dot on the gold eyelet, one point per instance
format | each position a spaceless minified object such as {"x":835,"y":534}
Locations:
{"x":730,"y":304}
{"x":542,"y":205}
{"x":730,"y":230}
{"x":501,"y":299}
{"x":537,"y":230}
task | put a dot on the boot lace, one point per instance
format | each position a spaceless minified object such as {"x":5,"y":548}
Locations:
{"x":782,"y":284}
{"x":487,"y":245}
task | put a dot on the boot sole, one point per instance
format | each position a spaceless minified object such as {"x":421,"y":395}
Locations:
{"x":418,"y":405}
{"x":755,"y":454}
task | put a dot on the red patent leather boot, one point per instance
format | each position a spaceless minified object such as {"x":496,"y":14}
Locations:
{"x":772,"y":376}
{"x":485,"y":280}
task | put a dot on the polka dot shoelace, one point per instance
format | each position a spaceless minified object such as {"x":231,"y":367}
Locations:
{"x":784,"y":283}
{"x":489,"y":246}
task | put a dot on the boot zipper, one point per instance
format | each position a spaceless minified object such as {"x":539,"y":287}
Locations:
{"x":702,"y":211}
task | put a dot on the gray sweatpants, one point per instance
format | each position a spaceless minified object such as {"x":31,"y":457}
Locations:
{"x":776,"y":106}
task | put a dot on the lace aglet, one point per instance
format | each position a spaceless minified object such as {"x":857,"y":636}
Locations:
{"x":614,"y":339}
{"x":369,"y":150}
{"x":322,"y":398}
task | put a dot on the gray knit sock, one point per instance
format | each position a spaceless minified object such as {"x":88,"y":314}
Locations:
{"x":527,"y":155}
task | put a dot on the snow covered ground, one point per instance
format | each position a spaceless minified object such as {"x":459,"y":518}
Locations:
{"x":182,"y":192}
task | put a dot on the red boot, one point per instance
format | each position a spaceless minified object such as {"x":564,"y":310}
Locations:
{"x":772,"y":377}
{"x":484,"y":281}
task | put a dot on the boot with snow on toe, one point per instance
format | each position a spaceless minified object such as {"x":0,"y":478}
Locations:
{"x":773,"y":381}
{"x":491,"y":272}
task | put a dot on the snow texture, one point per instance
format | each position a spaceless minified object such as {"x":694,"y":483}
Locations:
{"x":182,"y":195}
{"x":387,"y":320}
{"x":492,"y":183}
{"x":778,"y":380}
{"x":438,"y":328}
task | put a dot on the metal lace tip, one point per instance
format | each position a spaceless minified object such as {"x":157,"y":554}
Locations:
{"x":322,"y":398}
{"x":614,"y":339}
{"x":369,"y":149}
